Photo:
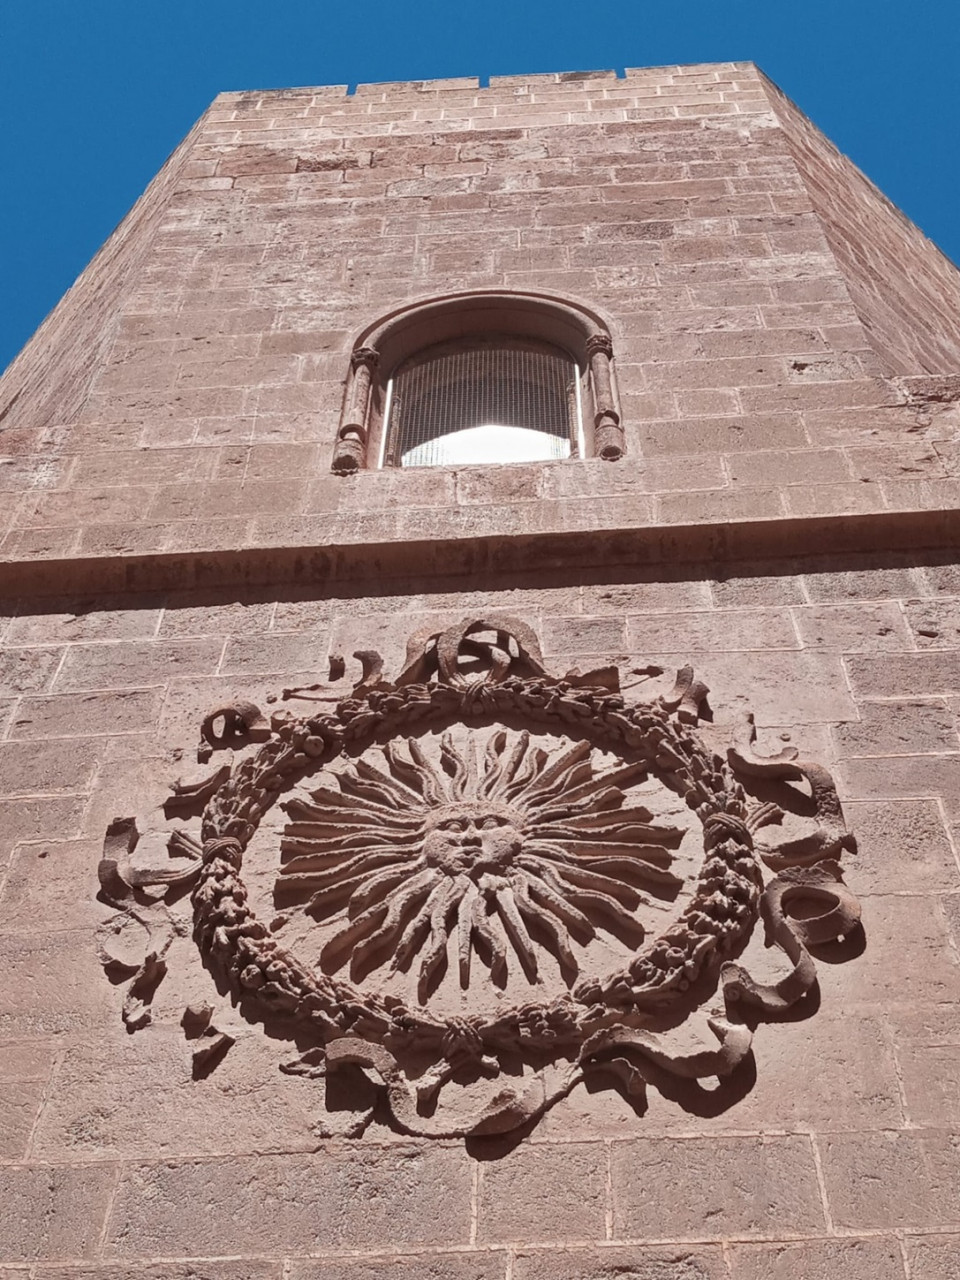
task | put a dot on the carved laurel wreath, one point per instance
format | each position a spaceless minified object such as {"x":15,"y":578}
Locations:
{"x":599,"y":1023}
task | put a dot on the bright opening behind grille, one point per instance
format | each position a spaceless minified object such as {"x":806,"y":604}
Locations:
{"x":489,"y":402}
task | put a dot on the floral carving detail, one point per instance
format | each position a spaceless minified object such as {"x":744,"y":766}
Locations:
{"x":488,"y":854}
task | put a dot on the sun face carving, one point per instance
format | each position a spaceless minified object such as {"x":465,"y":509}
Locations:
{"x":531,"y":850}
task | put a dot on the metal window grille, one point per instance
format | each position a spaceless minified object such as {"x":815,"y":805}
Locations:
{"x":483,"y":402}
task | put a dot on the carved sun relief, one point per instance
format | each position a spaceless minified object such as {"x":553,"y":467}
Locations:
{"x":520,"y":853}
{"x":483,"y":863}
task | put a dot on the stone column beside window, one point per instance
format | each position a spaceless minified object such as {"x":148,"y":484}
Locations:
{"x":351,"y":448}
{"x":607,"y":429}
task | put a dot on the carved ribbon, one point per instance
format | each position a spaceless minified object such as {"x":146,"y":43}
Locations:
{"x":831,"y":834}
{"x":118,"y":876}
{"x":451,"y":643}
{"x":242,"y":722}
{"x":821,"y":886}
{"x":686,"y":696}
{"x":186,"y":795}
{"x":120,"y":882}
{"x":620,"y":1051}
{"x":438,"y":653}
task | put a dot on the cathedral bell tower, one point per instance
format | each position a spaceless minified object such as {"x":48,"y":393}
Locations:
{"x":478,"y":690}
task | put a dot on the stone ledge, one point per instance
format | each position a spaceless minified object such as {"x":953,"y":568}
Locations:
{"x":292,"y":562}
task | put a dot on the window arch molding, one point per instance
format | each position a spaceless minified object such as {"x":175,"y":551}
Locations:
{"x":384,"y":346}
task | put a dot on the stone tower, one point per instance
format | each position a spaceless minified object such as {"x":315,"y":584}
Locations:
{"x":388,"y":850}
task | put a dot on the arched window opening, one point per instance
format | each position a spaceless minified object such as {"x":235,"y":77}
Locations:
{"x":480,"y":377}
{"x":491,"y":399}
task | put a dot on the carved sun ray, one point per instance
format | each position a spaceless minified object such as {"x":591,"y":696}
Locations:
{"x":528,"y":849}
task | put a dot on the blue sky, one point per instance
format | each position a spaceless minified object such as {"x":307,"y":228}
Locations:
{"x":97,"y":93}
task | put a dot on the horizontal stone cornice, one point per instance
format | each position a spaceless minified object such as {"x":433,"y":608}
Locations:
{"x":315,"y":564}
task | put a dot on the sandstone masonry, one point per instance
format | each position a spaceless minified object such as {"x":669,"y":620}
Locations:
{"x":785,"y":519}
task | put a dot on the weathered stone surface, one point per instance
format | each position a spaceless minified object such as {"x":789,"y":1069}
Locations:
{"x":914,"y":929}
{"x":906,"y":675}
{"x":19,"y":1107}
{"x":646,"y":597}
{"x":935,"y":624}
{"x":878,"y":1258}
{"x":303,"y":614}
{"x":53,"y":984}
{"x":184,"y":615}
{"x":836,"y":500}
{"x":136,"y":663}
{"x":951,"y":910}
{"x":37,"y":768}
{"x":730,"y":592}
{"x":616,"y":1262}
{"x":879,"y":582}
{"x":899,"y":728}
{"x":28,"y":670}
{"x":888,"y":1180}
{"x":84,"y":714}
{"x":53,"y":1212}
{"x":852,"y":628}
{"x":31,"y":818}
{"x":95,"y":1107}
{"x":72,"y":621}
{"x":42,"y":884}
{"x":7,"y":706}
{"x":468,"y":1265}
{"x":933,"y":1257}
{"x":237,"y":1269}
{"x":137,"y":779}
{"x":723,"y":631}
{"x":253,"y":654}
{"x":711,"y":1187}
{"x":927,"y":1039}
{"x":344,"y":1197}
{"x":854,"y":1084}
{"x":544,"y":1193}
{"x":780,"y":688}
{"x":584,"y":635}
{"x":902,"y":846}
{"x":895,"y":776}
{"x":25,"y":1059}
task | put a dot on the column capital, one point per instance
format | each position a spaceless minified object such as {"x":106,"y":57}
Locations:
{"x":364,"y":357}
{"x":599,"y":344}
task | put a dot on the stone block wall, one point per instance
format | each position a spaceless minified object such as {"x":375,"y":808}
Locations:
{"x":842,"y":1154}
{"x":46,"y":386}
{"x":687,"y":205}
{"x":898,"y":279}
{"x":785,"y":519}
